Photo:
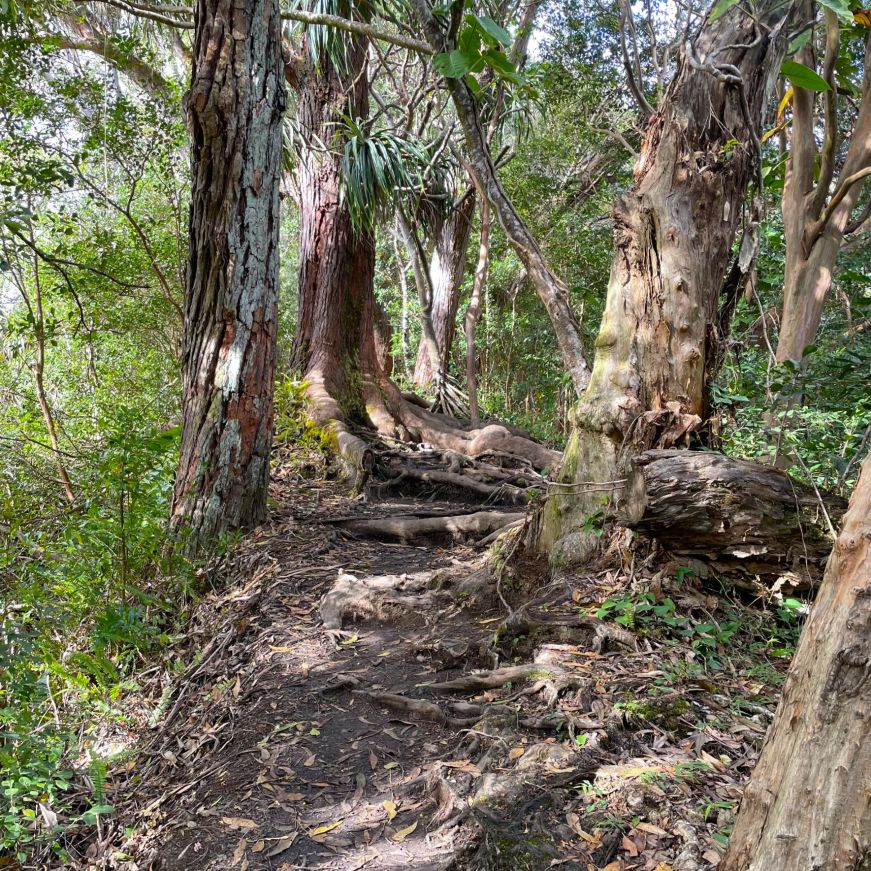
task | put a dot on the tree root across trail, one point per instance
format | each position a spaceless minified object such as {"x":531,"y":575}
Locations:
{"x":355,"y":704}
{"x":405,"y":447}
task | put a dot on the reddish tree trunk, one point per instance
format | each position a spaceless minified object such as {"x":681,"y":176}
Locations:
{"x":337,"y":263}
{"x":235,"y":108}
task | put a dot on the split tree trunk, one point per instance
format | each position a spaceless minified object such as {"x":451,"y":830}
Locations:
{"x":673,"y":235}
{"x":447,"y":270}
{"x":814,"y":223}
{"x":732,"y":513}
{"x":808,"y":805}
{"x":235,"y":107}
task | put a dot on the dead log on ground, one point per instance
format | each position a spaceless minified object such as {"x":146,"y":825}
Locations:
{"x":732,"y":514}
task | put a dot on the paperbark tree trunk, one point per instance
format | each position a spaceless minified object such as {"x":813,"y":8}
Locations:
{"x":235,"y":107}
{"x":673,"y":235}
{"x":814,"y":223}
{"x":808,"y":806}
{"x":447,"y":269}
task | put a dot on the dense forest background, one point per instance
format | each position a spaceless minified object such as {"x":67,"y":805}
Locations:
{"x":95,"y":178}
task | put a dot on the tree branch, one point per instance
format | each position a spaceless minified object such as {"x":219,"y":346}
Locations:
{"x":830,"y":98}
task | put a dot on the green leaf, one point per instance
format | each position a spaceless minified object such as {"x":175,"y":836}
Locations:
{"x":721,"y":7}
{"x":840,"y":7}
{"x":501,"y":65}
{"x":490,"y":28}
{"x":803,"y":77}
{"x":800,"y":41}
{"x":458,"y":63}
{"x":451,"y":64}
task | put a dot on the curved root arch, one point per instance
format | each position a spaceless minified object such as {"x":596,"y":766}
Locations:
{"x":496,"y":461}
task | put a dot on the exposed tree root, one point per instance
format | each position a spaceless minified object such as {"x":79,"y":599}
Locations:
{"x":375,"y":596}
{"x":530,"y":618}
{"x":419,"y":709}
{"x":448,"y":470}
{"x":453,"y":528}
{"x":494,"y":460}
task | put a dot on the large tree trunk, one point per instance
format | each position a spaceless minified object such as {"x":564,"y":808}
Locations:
{"x":814,"y":223}
{"x":235,"y":107}
{"x":334,"y":348}
{"x":446,"y":270}
{"x":808,"y":804}
{"x":736,"y":515}
{"x":673,"y":235}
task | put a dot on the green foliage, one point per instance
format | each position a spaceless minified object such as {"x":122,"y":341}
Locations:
{"x":92,"y":202}
{"x":293,"y":426}
{"x":803,"y":77}
{"x":646,"y":614}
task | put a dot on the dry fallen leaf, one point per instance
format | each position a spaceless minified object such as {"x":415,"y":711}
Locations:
{"x":283,"y":844}
{"x":310,"y":761}
{"x":402,"y":834}
{"x":322,"y":830}
{"x":629,"y":846}
{"x":390,"y":807}
{"x":258,"y":847}
{"x":239,"y":823}
{"x":651,"y":829}
{"x":463,"y":765}
{"x":239,"y":852}
{"x":373,"y":760}
{"x":516,"y":752}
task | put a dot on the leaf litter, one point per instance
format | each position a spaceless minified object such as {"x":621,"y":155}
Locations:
{"x":373,"y":748}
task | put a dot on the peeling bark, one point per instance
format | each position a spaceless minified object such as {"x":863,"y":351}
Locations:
{"x":673,"y":236}
{"x":808,"y":805}
{"x":235,"y":107}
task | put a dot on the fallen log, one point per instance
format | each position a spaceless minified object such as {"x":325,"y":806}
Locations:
{"x":732,"y":514}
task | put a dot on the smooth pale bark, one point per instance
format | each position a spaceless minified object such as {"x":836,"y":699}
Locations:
{"x":673,"y":235}
{"x":814,"y":223}
{"x":552,"y":291}
{"x":235,"y":108}
{"x":808,"y":804}
{"x":447,"y":269}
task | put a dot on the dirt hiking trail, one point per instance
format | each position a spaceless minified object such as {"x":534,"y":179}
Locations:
{"x":344,"y":703}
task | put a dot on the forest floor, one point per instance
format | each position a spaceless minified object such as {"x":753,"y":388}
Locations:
{"x":284,"y":745}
